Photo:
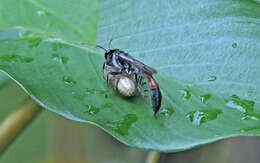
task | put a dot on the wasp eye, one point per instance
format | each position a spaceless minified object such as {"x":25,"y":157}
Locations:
{"x":105,"y":55}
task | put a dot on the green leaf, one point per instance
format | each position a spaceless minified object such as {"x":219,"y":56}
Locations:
{"x":69,"y":20}
{"x":4,"y":80}
{"x":76,"y":89}
{"x":207,"y":56}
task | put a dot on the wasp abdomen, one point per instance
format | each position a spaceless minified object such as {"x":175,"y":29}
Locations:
{"x":156,"y":97}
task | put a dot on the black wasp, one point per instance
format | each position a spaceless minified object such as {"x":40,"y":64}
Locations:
{"x":124,"y":63}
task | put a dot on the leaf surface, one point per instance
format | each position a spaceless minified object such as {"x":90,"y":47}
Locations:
{"x":207,"y":56}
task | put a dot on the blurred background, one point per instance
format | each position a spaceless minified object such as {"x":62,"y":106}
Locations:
{"x":53,"y":139}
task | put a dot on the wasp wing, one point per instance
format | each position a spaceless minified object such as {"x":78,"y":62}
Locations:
{"x":144,"y":67}
{"x":138,"y":64}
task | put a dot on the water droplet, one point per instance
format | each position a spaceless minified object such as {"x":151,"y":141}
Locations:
{"x":186,"y":93}
{"x":246,"y":107}
{"x":233,"y":104}
{"x":40,"y":13}
{"x":212,"y":78}
{"x":202,"y":116}
{"x":94,"y":91}
{"x":107,"y":105}
{"x":91,"y":110}
{"x":251,"y":116}
{"x":68,"y":80}
{"x":205,"y":98}
{"x":60,"y":59}
{"x":243,"y":105}
{"x":34,"y":40}
{"x":122,"y":126}
{"x":234,"y":45}
{"x":56,"y":46}
{"x":166,"y":111}
{"x":13,"y":58}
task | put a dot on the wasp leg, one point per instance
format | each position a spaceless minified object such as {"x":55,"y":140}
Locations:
{"x":142,"y":83}
{"x":136,"y":79}
{"x":104,"y":64}
{"x":107,"y":75}
{"x":103,"y":68}
{"x":140,"y":86}
{"x":141,"y":90}
{"x":107,"y":79}
{"x":112,"y":73}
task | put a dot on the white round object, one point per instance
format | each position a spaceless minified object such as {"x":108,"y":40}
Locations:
{"x":126,"y":86}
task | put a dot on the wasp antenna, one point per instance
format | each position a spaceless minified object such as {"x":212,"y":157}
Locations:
{"x":109,"y":44}
{"x":101,"y":48}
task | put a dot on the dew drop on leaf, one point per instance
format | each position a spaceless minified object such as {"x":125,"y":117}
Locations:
{"x":59,"y":58}
{"x":185,"y":94}
{"x":202,"y":116}
{"x":234,"y":45}
{"x":246,"y":107}
{"x":40,"y":12}
{"x":204,"y":98}
{"x":57,"y":45}
{"x":68,"y":80}
{"x":212,"y":78}
{"x":122,"y":126}
{"x":251,"y":116}
{"x":13,"y":58}
{"x":242,"y":105}
{"x":166,"y":111}
{"x":91,"y":110}
{"x":34,"y":40}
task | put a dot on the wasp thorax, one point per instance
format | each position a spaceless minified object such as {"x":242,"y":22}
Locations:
{"x":126,"y":87}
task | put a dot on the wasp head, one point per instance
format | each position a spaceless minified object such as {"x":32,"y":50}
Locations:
{"x":109,"y":54}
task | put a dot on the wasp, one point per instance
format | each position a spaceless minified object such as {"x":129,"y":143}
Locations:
{"x":124,"y":63}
